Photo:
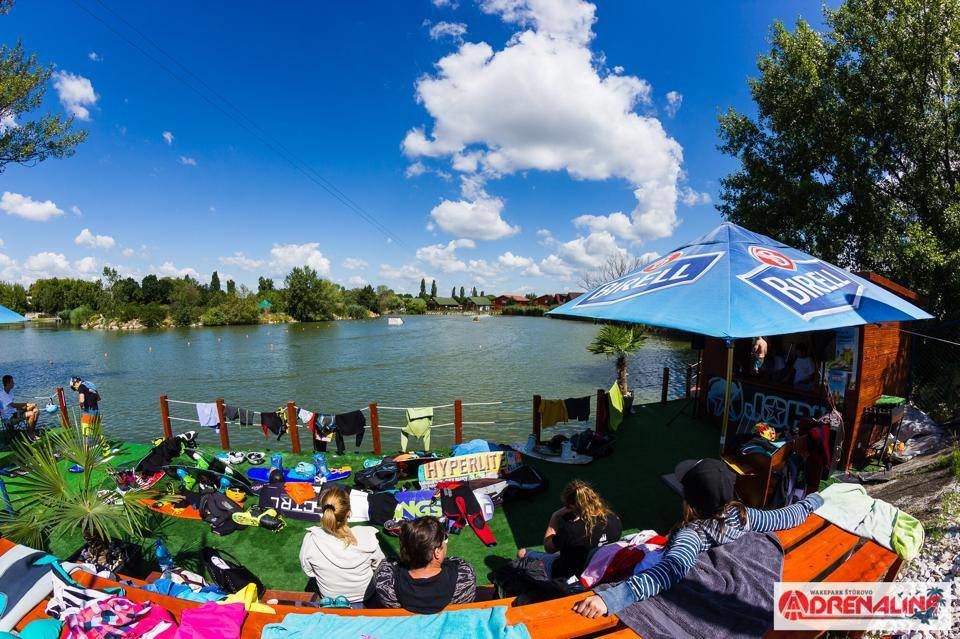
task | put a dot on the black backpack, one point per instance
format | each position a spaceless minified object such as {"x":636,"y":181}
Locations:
{"x":525,"y":481}
{"x":227,"y":572}
{"x":377,"y":478}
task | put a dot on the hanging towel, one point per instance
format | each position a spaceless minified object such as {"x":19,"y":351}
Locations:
{"x":552,"y":411}
{"x":578,"y":408}
{"x":346,"y":424}
{"x":246,"y":416}
{"x":208,"y":415}
{"x":272,"y":422}
{"x":419,"y":423}
{"x":616,"y":406}
{"x":231,"y":413}
{"x":306,"y":417}
{"x":848,"y":506}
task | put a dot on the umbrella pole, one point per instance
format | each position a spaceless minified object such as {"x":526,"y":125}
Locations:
{"x":726,"y":397}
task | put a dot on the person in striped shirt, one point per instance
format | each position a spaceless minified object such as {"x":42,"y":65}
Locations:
{"x":711,"y":517}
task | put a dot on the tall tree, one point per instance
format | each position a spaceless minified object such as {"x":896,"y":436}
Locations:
{"x":854,"y":153}
{"x":231,"y":287}
{"x":473,"y":293}
{"x":461,"y":293}
{"x":264,"y":284}
{"x":310,"y":298}
{"x":423,"y":287}
{"x":433,"y":289}
{"x":27,"y":137}
{"x":215,"y":283}
{"x":453,"y":292}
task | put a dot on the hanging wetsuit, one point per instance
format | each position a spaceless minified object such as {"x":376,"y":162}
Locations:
{"x":461,"y":508}
{"x":272,"y":422}
{"x":347,"y":424}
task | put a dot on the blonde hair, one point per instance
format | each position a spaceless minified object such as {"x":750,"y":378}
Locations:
{"x":335,"y":505}
{"x":583,"y":500}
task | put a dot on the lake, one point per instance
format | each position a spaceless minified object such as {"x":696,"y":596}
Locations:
{"x":332,"y":367}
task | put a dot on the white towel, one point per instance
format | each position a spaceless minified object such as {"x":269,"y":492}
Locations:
{"x":305,"y":415}
{"x":208,"y":415}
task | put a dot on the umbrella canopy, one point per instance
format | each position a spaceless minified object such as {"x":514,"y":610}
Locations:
{"x":734,"y":283}
{"x":9,"y":317}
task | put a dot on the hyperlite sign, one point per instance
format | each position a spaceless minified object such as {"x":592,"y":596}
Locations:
{"x":672,"y":270}
{"x":809,"y":288}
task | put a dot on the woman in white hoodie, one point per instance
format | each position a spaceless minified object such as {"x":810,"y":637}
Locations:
{"x":342,"y":559}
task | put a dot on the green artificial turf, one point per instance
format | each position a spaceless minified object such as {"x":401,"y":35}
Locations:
{"x":629,"y":479}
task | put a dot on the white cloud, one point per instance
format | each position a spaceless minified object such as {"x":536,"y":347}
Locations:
{"x":405,"y":274}
{"x":87,"y":265}
{"x":287,"y":256}
{"x":167,"y":269}
{"x":482,"y":271}
{"x":526,"y":265}
{"x":95,"y":57}
{"x":453,"y":30}
{"x":242,"y":261}
{"x":26,"y":207}
{"x":76,"y":93}
{"x":553,"y":265}
{"x":591,"y":251}
{"x":127,"y":252}
{"x":416,"y":169}
{"x":649,"y":256}
{"x":167,"y":137}
{"x":691,"y":197}
{"x":187,"y":160}
{"x":1,"y":242}
{"x":88,"y":239}
{"x":7,"y":122}
{"x":440,"y":4}
{"x":674,"y":101}
{"x":443,"y":256}
{"x":356,"y":281}
{"x":565,"y":113}
{"x":48,"y":262}
{"x":354,"y":263}
{"x":475,"y":216}
{"x":76,"y":210}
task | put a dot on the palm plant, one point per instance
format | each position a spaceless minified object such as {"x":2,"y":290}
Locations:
{"x":50,"y":503}
{"x":618,"y":341}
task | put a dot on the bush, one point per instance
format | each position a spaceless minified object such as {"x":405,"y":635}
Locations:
{"x":233,"y":310}
{"x":214,"y":316}
{"x":183,"y":315}
{"x":153,"y":315}
{"x":416,"y":306}
{"x":129,"y":312}
{"x":357,"y":312}
{"x":525,"y":311}
{"x":79,"y":315}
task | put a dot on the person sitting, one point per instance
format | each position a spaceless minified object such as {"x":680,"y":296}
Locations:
{"x":341,"y":559}
{"x":15,"y":413}
{"x":711,"y":517}
{"x":804,"y":369}
{"x":425,"y":580}
{"x":574,"y":531}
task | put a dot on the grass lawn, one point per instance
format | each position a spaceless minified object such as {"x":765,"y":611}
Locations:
{"x":629,"y":479}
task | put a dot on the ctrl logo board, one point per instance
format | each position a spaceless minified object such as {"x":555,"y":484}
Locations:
{"x":809,"y":288}
{"x":863,"y":606}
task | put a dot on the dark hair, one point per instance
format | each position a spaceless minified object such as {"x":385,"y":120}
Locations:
{"x":419,"y":539}
{"x":802,"y":348}
{"x":7,"y":379}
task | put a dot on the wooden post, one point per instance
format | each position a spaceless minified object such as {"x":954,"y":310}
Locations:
{"x":689,"y":382}
{"x":62,"y":401}
{"x":458,"y":421}
{"x":537,"y":418}
{"x":292,"y":426}
{"x":165,"y":417}
{"x":666,"y":384}
{"x":375,"y":427}
{"x":224,"y":434}
{"x":603,"y":413}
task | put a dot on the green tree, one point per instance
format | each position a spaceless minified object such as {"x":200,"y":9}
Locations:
{"x":155,"y":290}
{"x":310,"y":297}
{"x":231,"y":287}
{"x":264,"y":284}
{"x":415,"y":306}
{"x":618,"y":341}
{"x":185,"y":299}
{"x":853,"y":154}
{"x":473,"y":292}
{"x":433,"y":289}
{"x":14,"y":297}
{"x":215,"y":283}
{"x":423,"y":287}
{"x":461,"y":293}
{"x":27,"y":137}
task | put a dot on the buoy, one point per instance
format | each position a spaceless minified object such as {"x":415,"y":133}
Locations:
{"x":218,"y":339}
{"x":105,"y":355}
{"x":188,"y":343}
{"x":150,"y":349}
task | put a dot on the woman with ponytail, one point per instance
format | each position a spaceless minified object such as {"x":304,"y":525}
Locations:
{"x":583,"y":524}
{"x":341,"y":559}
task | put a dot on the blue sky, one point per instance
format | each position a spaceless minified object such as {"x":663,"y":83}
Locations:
{"x":507,"y":144}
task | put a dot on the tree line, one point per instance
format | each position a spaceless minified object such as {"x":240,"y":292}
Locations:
{"x":185,"y":301}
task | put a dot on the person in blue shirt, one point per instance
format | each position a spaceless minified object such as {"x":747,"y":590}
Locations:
{"x":711,"y":517}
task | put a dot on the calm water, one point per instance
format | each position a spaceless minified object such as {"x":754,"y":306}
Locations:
{"x":331,"y":367}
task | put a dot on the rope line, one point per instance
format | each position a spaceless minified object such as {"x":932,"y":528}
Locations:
{"x":177,"y":401}
{"x":181,"y":419}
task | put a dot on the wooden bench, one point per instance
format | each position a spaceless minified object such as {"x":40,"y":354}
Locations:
{"x":813,"y":551}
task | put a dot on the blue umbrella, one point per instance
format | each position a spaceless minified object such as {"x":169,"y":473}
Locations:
{"x":9,"y":317}
{"x":734,"y":283}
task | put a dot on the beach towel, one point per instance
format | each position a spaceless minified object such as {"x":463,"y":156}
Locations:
{"x":728,"y":593}
{"x":23,"y":584}
{"x":419,"y":423}
{"x":306,"y":417}
{"x":552,"y":411}
{"x":848,"y":506}
{"x":618,"y":560}
{"x":208,"y":415}
{"x":616,"y":406}
{"x":488,"y":623}
{"x":212,"y":621}
{"x":108,"y":618}
{"x":578,"y":408}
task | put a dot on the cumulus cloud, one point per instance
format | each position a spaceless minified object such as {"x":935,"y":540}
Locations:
{"x":416,"y":169}
{"x":691,"y":197}
{"x":76,"y":93}
{"x":555,"y":266}
{"x":284,"y":257}
{"x":167,"y":137}
{"x":46,"y":264}
{"x":453,"y":30}
{"x":240,"y":260}
{"x":443,"y":256}
{"x":87,"y":265}
{"x":356,"y":281}
{"x":168,"y":269}
{"x":476,"y":215}
{"x":591,"y":251}
{"x":354,"y":263}
{"x":674,"y":101}
{"x":76,"y":210}
{"x":187,"y":160}
{"x":400,"y":276}
{"x":95,"y":57}
{"x":440,"y":4}
{"x":26,"y":207}
{"x":526,"y":265}
{"x":88,"y":239}
{"x":565,"y":114}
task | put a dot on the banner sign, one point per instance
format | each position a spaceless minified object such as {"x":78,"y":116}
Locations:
{"x":672,"y":270}
{"x":467,"y":467}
